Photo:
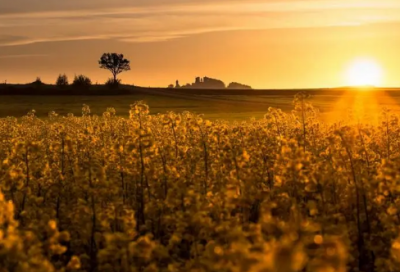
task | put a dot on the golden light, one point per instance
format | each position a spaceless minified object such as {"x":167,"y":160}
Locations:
{"x":357,"y":104}
{"x":364,"y":72}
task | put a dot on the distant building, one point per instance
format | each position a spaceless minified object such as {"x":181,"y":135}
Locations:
{"x":211,"y":83}
{"x":205,"y":83}
{"x":198,"y":80}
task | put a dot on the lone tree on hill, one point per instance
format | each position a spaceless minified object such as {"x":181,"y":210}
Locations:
{"x":115,"y":63}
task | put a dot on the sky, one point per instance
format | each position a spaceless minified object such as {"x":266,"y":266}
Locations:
{"x":262,"y":43}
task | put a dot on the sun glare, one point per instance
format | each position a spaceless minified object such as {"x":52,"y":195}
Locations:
{"x":364,"y":72}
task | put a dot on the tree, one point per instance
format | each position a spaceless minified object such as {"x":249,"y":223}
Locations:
{"x":115,"y":63}
{"x":62,"y":80}
{"x":82,"y":81}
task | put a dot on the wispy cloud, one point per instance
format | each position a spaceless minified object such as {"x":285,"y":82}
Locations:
{"x":23,"y":56}
{"x":209,"y":7}
{"x":156,"y":21}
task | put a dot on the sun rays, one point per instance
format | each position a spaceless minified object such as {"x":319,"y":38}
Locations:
{"x":362,"y":106}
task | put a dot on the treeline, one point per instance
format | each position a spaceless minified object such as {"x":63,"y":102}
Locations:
{"x":80,"y":85}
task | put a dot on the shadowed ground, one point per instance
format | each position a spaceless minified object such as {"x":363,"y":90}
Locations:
{"x":213,"y":104}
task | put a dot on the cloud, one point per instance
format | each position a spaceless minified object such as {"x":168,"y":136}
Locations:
{"x":11,"y":39}
{"x":23,"y":56}
{"x":155,"y":20}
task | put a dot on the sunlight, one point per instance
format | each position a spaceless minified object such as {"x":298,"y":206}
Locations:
{"x":364,"y":72}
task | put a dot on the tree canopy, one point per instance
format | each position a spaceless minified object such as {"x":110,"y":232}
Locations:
{"x":115,"y":63}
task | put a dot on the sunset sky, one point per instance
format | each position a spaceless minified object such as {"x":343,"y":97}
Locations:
{"x":263,"y":43}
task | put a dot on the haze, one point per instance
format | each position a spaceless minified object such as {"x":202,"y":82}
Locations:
{"x":266,"y":44}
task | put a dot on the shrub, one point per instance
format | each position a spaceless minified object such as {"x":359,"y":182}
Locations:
{"x":38,"y":82}
{"x":82,"y":81}
{"x":113,"y":83}
{"x":62,"y":80}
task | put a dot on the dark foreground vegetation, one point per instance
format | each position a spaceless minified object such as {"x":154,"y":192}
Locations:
{"x":174,"y":192}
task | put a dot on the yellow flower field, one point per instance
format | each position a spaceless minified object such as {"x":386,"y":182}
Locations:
{"x":173,"y":192}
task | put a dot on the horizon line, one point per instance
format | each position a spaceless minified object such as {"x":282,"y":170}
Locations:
{"x":252,"y":89}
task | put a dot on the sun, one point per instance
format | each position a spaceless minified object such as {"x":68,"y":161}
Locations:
{"x":364,"y":72}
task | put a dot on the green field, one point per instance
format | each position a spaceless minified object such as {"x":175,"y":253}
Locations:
{"x":227,"y":107}
{"x":212,"y":108}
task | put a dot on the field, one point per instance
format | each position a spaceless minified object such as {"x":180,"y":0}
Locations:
{"x":214,"y":105}
{"x":289,"y":192}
